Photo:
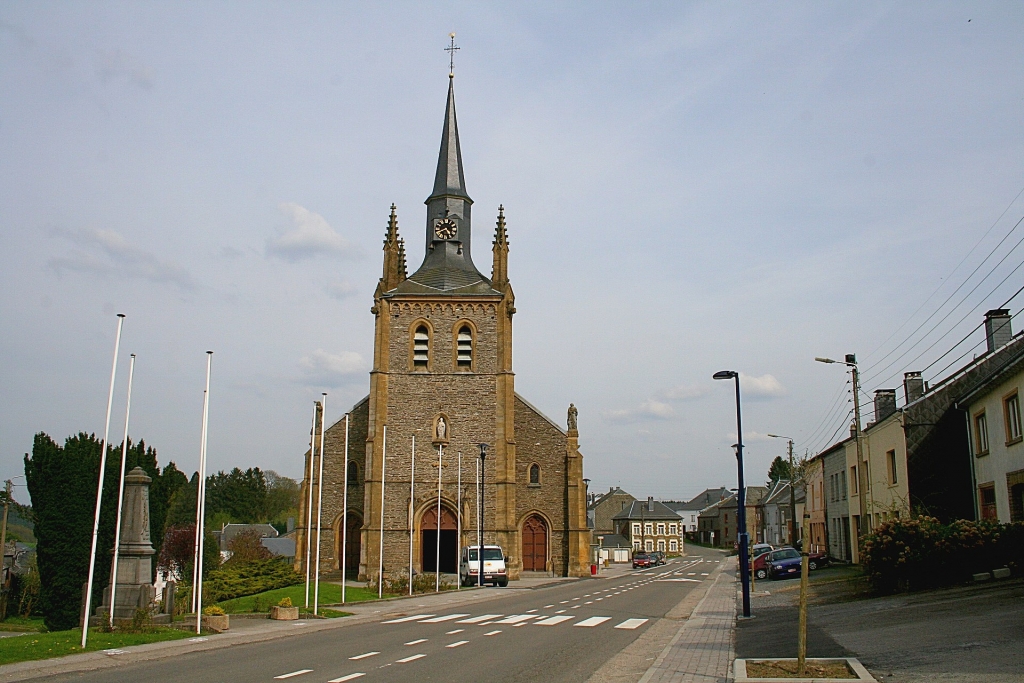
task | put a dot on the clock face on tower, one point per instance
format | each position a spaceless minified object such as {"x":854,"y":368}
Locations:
{"x":445,"y":229}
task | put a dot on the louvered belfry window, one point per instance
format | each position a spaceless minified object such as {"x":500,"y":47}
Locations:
{"x":420,"y":348}
{"x":464,"y":359}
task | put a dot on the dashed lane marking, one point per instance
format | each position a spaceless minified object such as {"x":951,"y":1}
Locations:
{"x":417,"y":642}
{"x":564,"y":602}
{"x":346,"y":678}
{"x":452,"y":633}
{"x":413,"y":658}
{"x":477,"y":620}
{"x":548,"y":606}
{"x":293,"y":674}
{"x":592,"y":621}
{"x":457,"y":643}
{"x":630,"y":624}
{"x":589,"y":602}
{"x":516,"y":618}
{"x":530,"y":611}
{"x":551,"y":621}
{"x":559,"y":611}
{"x":365,"y":655}
{"x":404,"y":619}
{"x":446,"y":617}
{"x":492,"y":633}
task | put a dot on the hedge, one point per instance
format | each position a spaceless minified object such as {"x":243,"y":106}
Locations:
{"x":237,"y":580}
{"x":921,"y":552}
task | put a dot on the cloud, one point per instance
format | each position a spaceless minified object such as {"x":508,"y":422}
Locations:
{"x":765,"y":386}
{"x":114,"y":65}
{"x":107,"y":252}
{"x":685,"y":392}
{"x":332,"y":369}
{"x":310,"y":235}
{"x":649,"y":409}
{"x":340,"y":289}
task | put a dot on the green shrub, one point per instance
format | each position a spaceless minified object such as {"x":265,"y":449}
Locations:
{"x":213,"y":611}
{"x":237,"y":580}
{"x":921,"y":552}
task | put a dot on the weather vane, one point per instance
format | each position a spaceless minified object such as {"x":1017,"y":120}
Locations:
{"x":451,"y":50}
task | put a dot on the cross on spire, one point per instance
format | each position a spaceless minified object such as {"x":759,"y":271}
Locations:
{"x":451,"y":50}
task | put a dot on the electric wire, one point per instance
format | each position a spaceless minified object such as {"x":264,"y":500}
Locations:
{"x":828,"y":413}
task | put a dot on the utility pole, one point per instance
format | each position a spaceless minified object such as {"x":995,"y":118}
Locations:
{"x":3,"y":548}
{"x":792,"y":497}
{"x":862,"y":474}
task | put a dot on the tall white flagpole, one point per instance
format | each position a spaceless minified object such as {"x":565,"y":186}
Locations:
{"x":437,"y":553}
{"x":309,"y":502}
{"x":344,"y":517}
{"x":319,"y":504}
{"x":120,"y":493}
{"x":201,"y":527}
{"x":458,"y":523}
{"x":199,"y":505}
{"x":99,"y":487}
{"x":380,"y":551}
{"x":412,"y":506}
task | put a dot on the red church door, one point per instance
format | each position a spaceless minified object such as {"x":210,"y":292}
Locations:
{"x":535,"y":544}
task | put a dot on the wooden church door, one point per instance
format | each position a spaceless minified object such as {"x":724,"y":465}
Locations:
{"x":535,"y":544}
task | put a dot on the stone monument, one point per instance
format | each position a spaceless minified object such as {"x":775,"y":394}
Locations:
{"x":135,"y":556}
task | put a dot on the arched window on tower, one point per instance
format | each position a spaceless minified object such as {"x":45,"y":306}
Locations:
{"x":464,"y":357}
{"x":535,"y":474}
{"x":353,"y":473}
{"x":420,"y":348}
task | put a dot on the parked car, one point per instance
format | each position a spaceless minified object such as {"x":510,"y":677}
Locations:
{"x":817,"y":560}
{"x":761,"y":549}
{"x":642,"y":560}
{"x":780,"y":564}
{"x":657,"y":557}
{"x":494,"y":566}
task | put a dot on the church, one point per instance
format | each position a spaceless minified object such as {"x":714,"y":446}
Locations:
{"x":441,"y":385}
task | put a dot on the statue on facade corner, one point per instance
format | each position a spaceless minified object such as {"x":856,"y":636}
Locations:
{"x":442,"y":429}
{"x":572,"y":417}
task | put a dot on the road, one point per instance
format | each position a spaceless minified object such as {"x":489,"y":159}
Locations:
{"x":560,"y":632}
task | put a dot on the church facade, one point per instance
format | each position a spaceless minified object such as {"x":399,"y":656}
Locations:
{"x":441,"y":385}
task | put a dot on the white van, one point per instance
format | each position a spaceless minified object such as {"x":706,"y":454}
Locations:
{"x":494,"y":566}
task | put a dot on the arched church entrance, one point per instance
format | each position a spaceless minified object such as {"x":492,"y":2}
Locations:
{"x":535,"y":544}
{"x":449,"y":561}
{"x":352,"y":544}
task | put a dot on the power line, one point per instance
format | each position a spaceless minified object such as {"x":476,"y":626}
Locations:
{"x":833,"y":404}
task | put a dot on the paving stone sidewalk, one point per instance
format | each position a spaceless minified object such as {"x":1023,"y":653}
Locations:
{"x":702,"y":651}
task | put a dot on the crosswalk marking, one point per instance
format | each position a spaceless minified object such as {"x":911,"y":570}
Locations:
{"x":551,"y":621}
{"x":457,"y":643}
{"x":293,"y":674}
{"x":630,"y":624}
{"x":346,"y":678}
{"x":492,"y":633}
{"x":516,"y":618}
{"x":413,"y":658}
{"x":477,"y":620}
{"x":447,"y":617}
{"x":404,"y":619}
{"x":417,"y":642}
{"x":592,"y":621}
{"x":364,"y":655}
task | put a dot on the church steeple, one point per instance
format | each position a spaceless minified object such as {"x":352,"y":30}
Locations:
{"x":449,"y":180}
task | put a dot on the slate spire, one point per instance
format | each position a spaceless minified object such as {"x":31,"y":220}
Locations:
{"x":449,"y":179}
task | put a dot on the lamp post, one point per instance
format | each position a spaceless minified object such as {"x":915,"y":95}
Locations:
{"x":740,"y":494}
{"x":792,"y":489}
{"x":480,"y":522}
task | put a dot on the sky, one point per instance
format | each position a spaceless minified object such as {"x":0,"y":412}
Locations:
{"x":688,"y":188}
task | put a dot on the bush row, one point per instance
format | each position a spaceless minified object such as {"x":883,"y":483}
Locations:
{"x":235,"y":580}
{"x":921,"y":552}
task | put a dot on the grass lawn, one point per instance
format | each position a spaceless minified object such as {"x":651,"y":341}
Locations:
{"x":59,"y":643}
{"x":330,"y":594}
{"x":14,"y":623}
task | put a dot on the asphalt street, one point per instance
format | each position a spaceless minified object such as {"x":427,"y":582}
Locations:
{"x":560,"y":632}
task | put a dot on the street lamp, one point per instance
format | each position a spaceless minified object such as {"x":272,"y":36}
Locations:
{"x":792,"y":487}
{"x":741,"y":494}
{"x":480,"y":522}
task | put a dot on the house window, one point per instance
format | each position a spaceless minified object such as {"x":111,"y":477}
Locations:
{"x":854,"y":487}
{"x":353,"y":473}
{"x":636,"y":529}
{"x":842,"y":484}
{"x":535,"y":474}
{"x":420,"y":348}
{"x":1011,"y":413}
{"x":980,"y":434}
{"x":987,"y":500}
{"x":661,"y":529}
{"x":464,"y":357}
{"x":890,"y":459}
{"x":672,"y":529}
{"x":673,"y":546}
{"x":661,"y":545}
{"x":649,"y":546}
{"x":649,"y":529}
{"x":636,"y":544}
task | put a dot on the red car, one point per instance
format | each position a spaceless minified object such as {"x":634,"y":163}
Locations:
{"x":642,"y":560}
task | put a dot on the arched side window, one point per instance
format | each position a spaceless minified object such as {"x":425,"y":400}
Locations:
{"x":464,"y":355}
{"x":535,"y":474}
{"x":421,"y":348}
{"x":353,"y":473}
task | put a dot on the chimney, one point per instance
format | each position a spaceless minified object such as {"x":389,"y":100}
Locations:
{"x":885,"y":404}
{"x":913,"y":386}
{"x":997,"y":328}
{"x":650,"y":503}
{"x":611,"y":489}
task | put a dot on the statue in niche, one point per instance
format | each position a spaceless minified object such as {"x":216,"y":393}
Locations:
{"x":572,"y":417}
{"x":442,"y":429}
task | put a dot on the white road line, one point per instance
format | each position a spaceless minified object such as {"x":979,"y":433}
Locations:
{"x":564,"y":602}
{"x":599,"y":600}
{"x":551,"y":621}
{"x":447,"y":617}
{"x":703,"y":573}
{"x":452,"y":633}
{"x":589,"y":602}
{"x":477,"y":620}
{"x":690,"y":580}
{"x":492,"y":633}
{"x":575,"y":598}
{"x":516,"y":618}
{"x":346,"y":678}
{"x":404,"y":619}
{"x":559,"y":611}
{"x":530,"y":611}
{"x":364,"y":655}
{"x":457,"y":643}
{"x":417,"y":642}
{"x":592,"y":621}
{"x":691,"y":573}
{"x":548,"y":606}
{"x":413,"y":658}
{"x":294,"y":673}
{"x":630,"y":624}
{"x":575,"y":607}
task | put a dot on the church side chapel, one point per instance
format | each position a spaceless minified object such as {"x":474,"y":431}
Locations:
{"x":441,"y":385}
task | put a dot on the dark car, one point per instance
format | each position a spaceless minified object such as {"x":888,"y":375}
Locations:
{"x":817,"y":560}
{"x":657,"y":557}
{"x":642,"y":560}
{"x":783,"y":563}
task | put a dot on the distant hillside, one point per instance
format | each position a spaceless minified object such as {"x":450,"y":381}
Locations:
{"x":20,"y":525}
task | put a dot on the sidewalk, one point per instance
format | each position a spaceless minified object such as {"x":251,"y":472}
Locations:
{"x":702,"y":651}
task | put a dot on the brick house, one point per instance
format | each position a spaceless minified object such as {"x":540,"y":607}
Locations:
{"x":649,"y":526}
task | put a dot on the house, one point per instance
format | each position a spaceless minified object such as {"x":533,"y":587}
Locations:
{"x":606,"y":506}
{"x":284,"y":547}
{"x":814,"y":485}
{"x":650,"y":525}
{"x":837,"y":506}
{"x":614,"y":548}
{"x":776,"y":512}
{"x":729,"y":518}
{"x":690,"y":510}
